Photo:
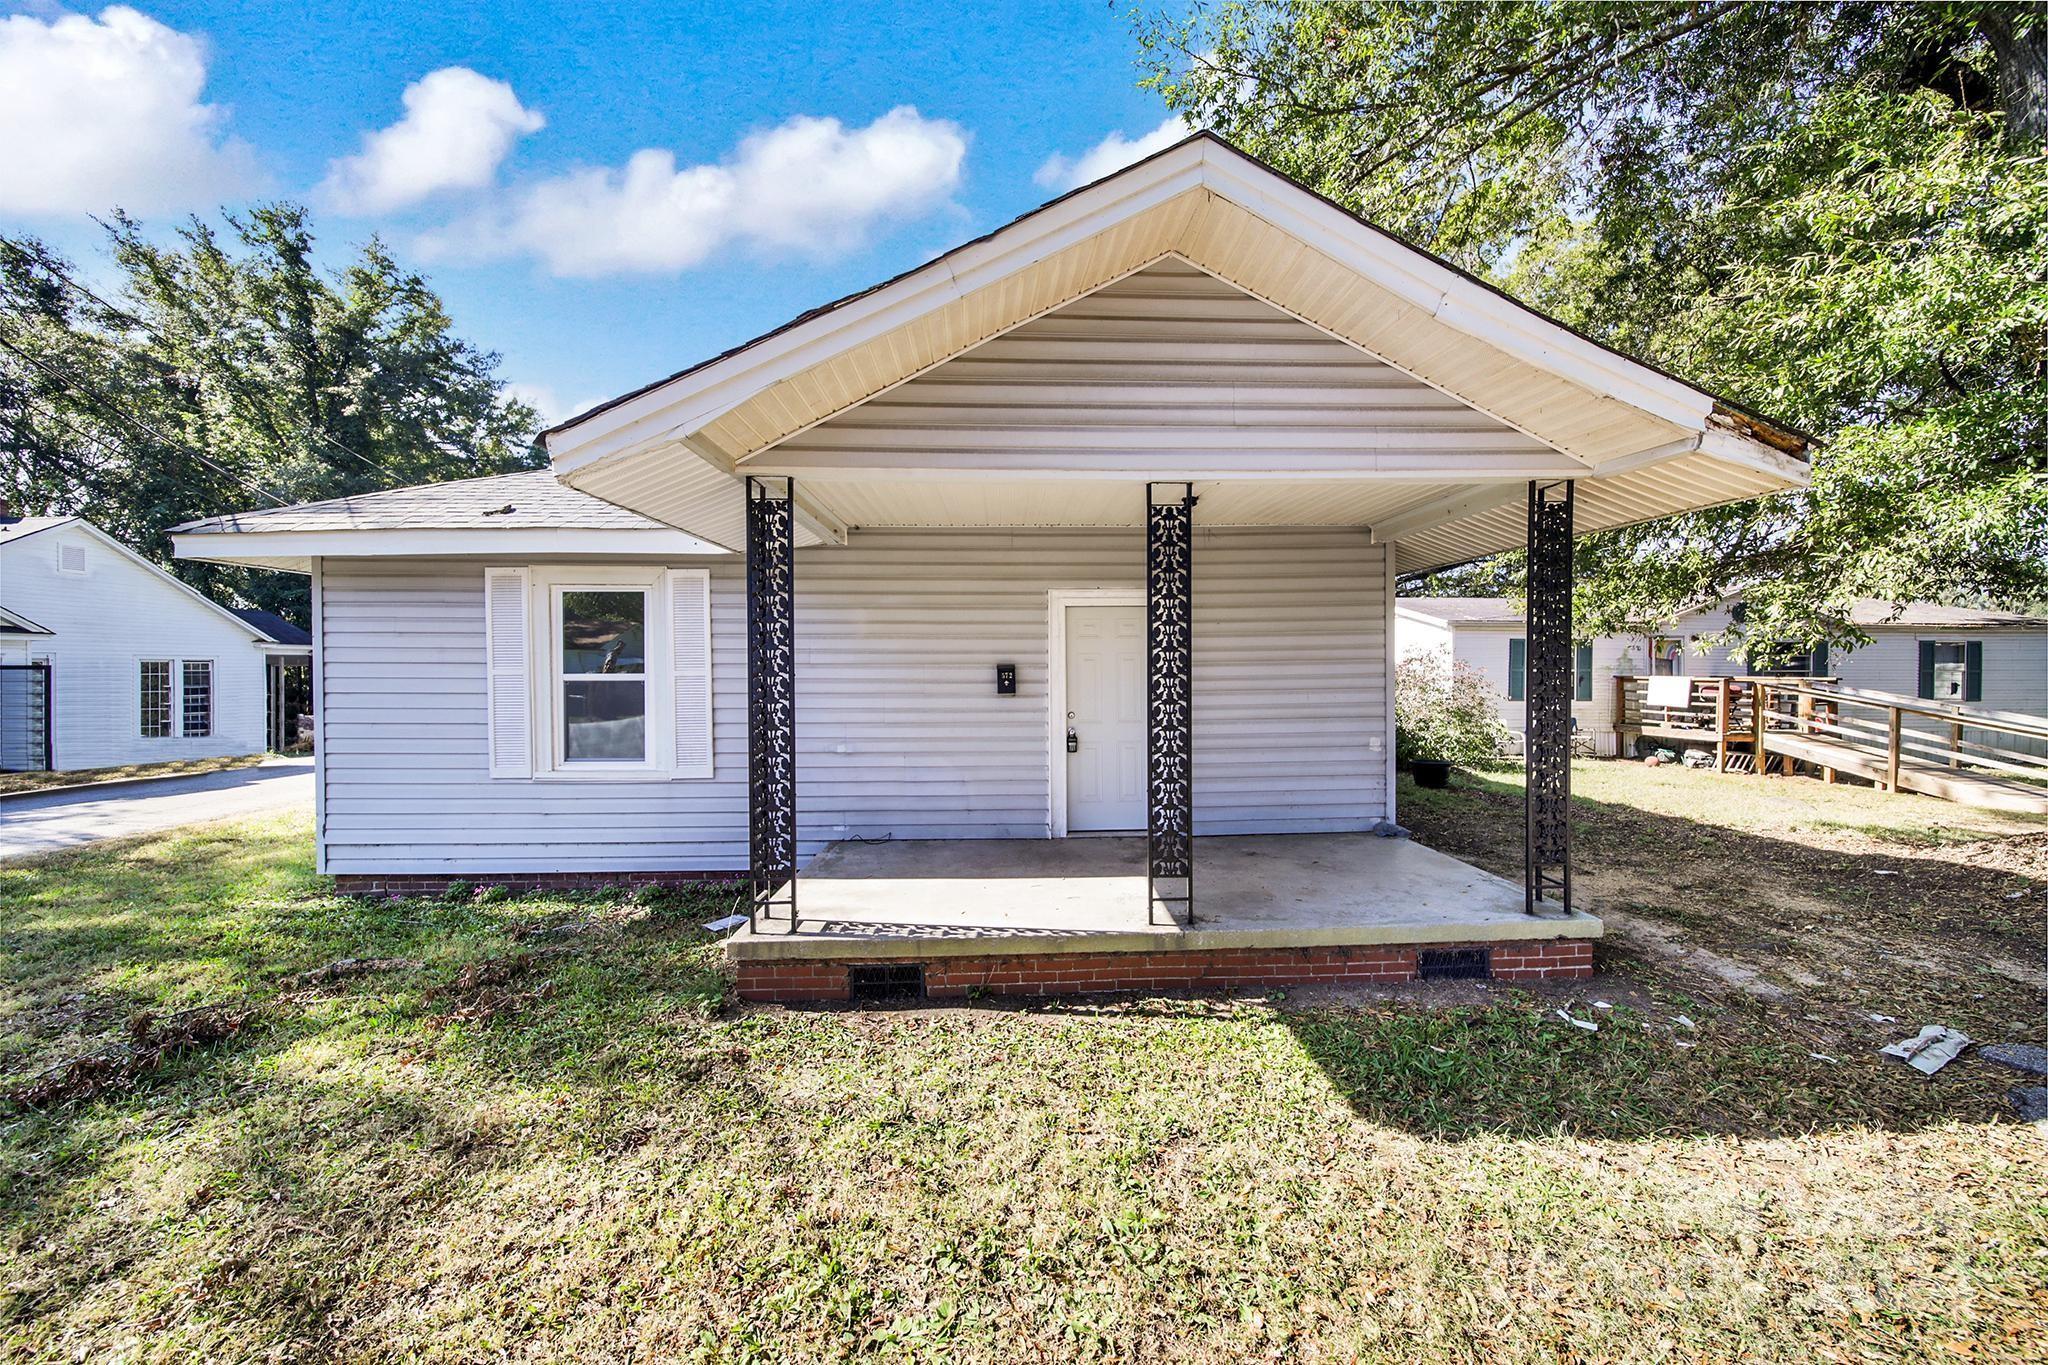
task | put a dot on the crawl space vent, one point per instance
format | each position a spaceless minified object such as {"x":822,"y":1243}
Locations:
{"x":1454,"y":964}
{"x":885,"y":981}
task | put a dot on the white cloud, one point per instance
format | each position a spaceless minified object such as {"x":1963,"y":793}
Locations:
{"x":809,"y":186}
{"x":543,"y":399}
{"x":458,"y":127}
{"x":1113,"y":153}
{"x":99,"y":113}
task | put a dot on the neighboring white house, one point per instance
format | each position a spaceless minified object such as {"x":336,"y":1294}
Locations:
{"x":141,"y":668}
{"x":1993,"y":659}
{"x":547,"y":674}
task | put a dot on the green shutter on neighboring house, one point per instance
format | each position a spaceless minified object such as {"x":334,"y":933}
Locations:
{"x":1518,"y":663}
{"x":1973,"y":671}
{"x":1927,"y":670}
{"x":1820,"y":660}
{"x":1585,"y":672}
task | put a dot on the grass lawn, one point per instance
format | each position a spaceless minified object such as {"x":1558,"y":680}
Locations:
{"x":536,"y":1128}
{"x":11,"y":783}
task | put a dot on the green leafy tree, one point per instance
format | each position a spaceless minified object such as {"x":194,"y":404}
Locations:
{"x":1834,"y":213}
{"x":225,"y":371}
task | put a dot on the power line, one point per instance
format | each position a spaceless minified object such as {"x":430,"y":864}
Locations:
{"x":137,"y":424}
{"x":63,"y":277}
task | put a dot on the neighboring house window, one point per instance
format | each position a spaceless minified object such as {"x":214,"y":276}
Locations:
{"x":156,"y":698}
{"x":70,"y":559}
{"x":1952,"y":670}
{"x":1781,"y":663}
{"x":1518,"y":671}
{"x":197,"y":706}
{"x":602,"y":701}
{"x":1667,"y":656}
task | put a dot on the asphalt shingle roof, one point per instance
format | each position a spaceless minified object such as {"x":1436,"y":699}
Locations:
{"x":529,"y":500}
{"x":276,"y":627}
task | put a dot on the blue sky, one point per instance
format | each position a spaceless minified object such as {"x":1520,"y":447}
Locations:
{"x":602,"y":193}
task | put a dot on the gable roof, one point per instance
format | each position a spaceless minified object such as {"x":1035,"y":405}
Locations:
{"x":21,"y":528}
{"x":14,"y":623}
{"x":525,"y":512}
{"x":87,"y":528}
{"x":676,"y":448}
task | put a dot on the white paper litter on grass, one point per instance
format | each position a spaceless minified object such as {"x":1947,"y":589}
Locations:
{"x":1684,"y":1022}
{"x":1883,"y":1019}
{"x":1823,"y":1057}
{"x":1928,"y":1051}
{"x":1587,"y":1024}
{"x":719,"y":926}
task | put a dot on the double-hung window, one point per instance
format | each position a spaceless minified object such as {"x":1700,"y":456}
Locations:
{"x":197,"y":701}
{"x":601,"y":703}
{"x":174,"y":697}
{"x":155,"y":698}
{"x":1518,"y":670}
{"x":598,"y":672}
{"x":1952,"y":670}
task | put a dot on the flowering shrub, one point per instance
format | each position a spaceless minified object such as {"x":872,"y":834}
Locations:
{"x":1446,"y":710}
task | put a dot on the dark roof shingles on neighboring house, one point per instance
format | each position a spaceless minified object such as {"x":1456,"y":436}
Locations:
{"x":275,"y":627}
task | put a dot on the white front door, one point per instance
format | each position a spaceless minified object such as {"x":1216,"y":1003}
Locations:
{"x":1105,"y":718}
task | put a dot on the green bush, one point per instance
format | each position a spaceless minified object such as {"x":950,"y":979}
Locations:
{"x":1446,"y":710}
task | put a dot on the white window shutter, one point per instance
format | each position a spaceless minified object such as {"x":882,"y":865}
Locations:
{"x":689,"y":637}
{"x":508,"y":664}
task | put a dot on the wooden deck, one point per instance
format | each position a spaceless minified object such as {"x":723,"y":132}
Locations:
{"x":1988,"y":759}
{"x":1988,"y":791}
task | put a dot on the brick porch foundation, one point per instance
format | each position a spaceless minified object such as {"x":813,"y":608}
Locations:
{"x":790,"y":980}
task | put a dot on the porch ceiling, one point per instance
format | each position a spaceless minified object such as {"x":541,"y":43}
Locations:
{"x":1479,"y":389}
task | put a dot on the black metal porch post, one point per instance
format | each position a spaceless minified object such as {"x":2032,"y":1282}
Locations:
{"x":771,"y":700}
{"x":1547,"y":733}
{"x":1170,"y":703}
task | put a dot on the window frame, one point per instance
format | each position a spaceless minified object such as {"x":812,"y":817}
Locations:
{"x":1677,"y":653}
{"x":1961,"y":665}
{"x":185,"y":667}
{"x":142,"y":707}
{"x":1518,"y":677}
{"x":547,"y":677}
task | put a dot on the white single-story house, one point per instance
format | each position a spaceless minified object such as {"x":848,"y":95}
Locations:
{"x":1991,"y":659}
{"x":1024,"y":622}
{"x":106,"y":660}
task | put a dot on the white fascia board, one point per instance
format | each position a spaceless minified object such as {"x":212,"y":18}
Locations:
{"x":236,"y":547}
{"x":1735,"y":448}
{"x":1458,"y":302}
{"x":686,"y":404}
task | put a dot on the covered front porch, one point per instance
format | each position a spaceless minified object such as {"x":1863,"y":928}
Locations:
{"x":1039,"y":916}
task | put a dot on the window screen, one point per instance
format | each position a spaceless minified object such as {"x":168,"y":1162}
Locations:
{"x":198,"y":699}
{"x":156,"y":698}
{"x":604,"y":676}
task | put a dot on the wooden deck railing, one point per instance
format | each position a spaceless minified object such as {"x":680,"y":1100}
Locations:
{"x":1716,"y":710}
{"x":1901,"y":738}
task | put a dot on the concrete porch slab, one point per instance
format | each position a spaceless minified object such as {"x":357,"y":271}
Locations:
{"x":991,"y":897}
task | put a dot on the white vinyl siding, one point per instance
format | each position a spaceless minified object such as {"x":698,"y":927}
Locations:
{"x":900,"y":730}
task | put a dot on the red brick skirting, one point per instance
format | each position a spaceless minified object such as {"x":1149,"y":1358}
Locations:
{"x":437,"y":883}
{"x":790,"y":980}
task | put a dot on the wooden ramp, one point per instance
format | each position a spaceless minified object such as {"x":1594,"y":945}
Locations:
{"x":1872,"y":763}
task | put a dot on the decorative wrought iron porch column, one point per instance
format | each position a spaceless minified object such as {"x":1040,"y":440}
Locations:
{"x":771,"y":701}
{"x":1170,"y":708}
{"x":1547,"y":733}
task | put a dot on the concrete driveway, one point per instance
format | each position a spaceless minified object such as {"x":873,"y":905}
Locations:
{"x":39,"y":824}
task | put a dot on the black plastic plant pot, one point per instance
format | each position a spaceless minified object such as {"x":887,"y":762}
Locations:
{"x":1432,"y":772}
